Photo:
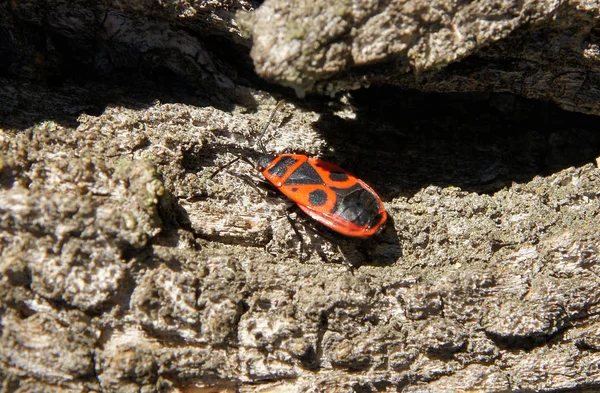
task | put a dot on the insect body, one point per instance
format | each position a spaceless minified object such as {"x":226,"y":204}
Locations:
{"x":327,"y":193}
{"x":324,"y":191}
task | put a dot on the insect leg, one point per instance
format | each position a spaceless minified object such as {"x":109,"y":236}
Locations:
{"x":331,"y":239}
{"x":297,"y":232}
{"x":346,"y":261}
{"x":247,"y":180}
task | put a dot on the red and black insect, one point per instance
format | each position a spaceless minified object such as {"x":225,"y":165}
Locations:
{"x":324,"y":191}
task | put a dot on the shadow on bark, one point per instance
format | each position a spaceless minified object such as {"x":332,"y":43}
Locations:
{"x":403,"y":141}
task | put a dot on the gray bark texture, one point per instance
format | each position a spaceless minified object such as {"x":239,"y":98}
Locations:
{"x":538,"y":49}
{"x":133,"y":259}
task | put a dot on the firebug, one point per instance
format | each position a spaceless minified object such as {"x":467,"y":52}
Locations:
{"x":324,"y":191}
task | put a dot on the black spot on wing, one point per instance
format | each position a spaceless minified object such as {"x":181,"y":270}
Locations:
{"x":317,"y":197}
{"x":280,"y":168}
{"x":338,"y":176}
{"x":305,"y":174}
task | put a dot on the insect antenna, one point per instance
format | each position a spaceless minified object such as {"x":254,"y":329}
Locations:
{"x":225,"y":166}
{"x":260,"y":143}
